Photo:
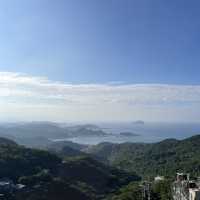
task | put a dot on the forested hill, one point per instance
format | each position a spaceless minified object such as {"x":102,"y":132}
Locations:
{"x":48,"y":130}
{"x":7,"y":142}
{"x":70,"y":173}
{"x":47,"y":176}
{"x":164,"y":158}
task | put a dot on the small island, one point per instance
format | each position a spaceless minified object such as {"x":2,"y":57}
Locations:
{"x":138,"y":122}
{"x":128,"y":134}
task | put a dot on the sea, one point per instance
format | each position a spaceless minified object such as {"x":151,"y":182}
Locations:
{"x":149,"y":132}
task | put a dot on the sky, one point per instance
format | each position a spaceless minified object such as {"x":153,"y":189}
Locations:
{"x":91,"y":60}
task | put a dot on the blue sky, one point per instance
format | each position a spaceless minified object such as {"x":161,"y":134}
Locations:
{"x":133,"y":41}
{"x":92,"y":44}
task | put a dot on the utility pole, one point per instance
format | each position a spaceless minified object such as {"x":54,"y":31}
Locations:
{"x":148,"y":190}
{"x":143,"y":191}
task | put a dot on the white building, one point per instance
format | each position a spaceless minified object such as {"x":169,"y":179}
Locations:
{"x":194,"y":194}
{"x":159,"y":178}
{"x":185,"y":189}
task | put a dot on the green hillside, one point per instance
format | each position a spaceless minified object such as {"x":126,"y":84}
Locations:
{"x":49,"y":177}
{"x":164,"y":158}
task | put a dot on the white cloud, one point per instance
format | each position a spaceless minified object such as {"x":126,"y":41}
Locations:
{"x":23,"y":96}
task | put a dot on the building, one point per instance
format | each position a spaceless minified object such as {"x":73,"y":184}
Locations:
{"x":185,"y":189}
{"x":159,"y":178}
{"x":6,"y":186}
{"x":194,"y":194}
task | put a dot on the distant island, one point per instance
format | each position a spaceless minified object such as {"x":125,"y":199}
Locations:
{"x":49,"y":130}
{"x":128,"y":134}
{"x":139,"y":122}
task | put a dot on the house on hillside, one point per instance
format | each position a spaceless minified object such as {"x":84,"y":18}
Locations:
{"x":194,"y":194}
{"x":185,"y":189}
{"x":6,"y":186}
{"x":159,"y":178}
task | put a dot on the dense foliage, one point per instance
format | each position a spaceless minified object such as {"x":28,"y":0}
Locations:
{"x":160,"y":190}
{"x":49,"y":177}
{"x":17,"y":161}
{"x":163,"y":158}
{"x":66,"y":172}
{"x":132,"y":191}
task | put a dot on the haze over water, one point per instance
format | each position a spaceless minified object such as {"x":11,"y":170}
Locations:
{"x":147,"y":133}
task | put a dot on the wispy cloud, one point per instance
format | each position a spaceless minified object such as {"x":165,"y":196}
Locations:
{"x":21,"y":90}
